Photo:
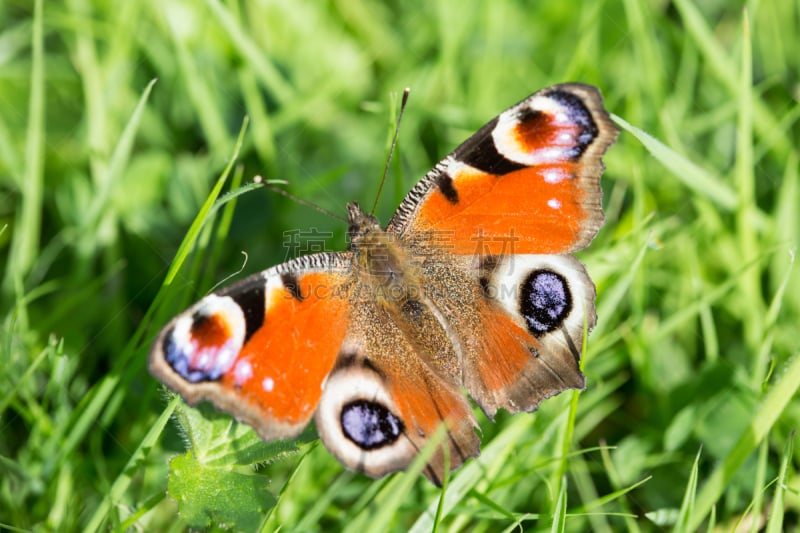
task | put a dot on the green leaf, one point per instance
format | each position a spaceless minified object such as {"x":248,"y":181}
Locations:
{"x":224,"y":496}
{"x":216,"y":481}
{"x":219,"y":441}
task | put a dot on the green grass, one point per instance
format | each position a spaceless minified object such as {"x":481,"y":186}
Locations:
{"x":114,"y":216}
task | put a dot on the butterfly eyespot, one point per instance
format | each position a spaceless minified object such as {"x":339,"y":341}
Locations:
{"x":577,"y":113}
{"x":545,"y":301}
{"x":370,"y":425}
{"x":203,"y":345}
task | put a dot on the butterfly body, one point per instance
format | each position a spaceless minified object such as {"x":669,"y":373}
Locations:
{"x":470,"y":286}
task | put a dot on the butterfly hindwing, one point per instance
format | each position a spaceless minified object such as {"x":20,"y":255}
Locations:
{"x":387,"y":397}
{"x":534,"y":312}
{"x":513,"y":325}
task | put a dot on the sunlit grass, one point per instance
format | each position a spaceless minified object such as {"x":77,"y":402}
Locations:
{"x":123,"y":126}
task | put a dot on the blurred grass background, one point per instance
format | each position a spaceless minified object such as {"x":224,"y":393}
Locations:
{"x":689,"y":415}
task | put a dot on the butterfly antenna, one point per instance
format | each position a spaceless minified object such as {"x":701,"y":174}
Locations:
{"x":403,"y":103}
{"x":274,"y":187}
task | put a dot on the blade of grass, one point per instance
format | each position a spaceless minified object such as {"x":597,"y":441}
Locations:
{"x":199,"y":90}
{"x":94,"y":91}
{"x":96,"y":399}
{"x":207,"y":211}
{"x":717,"y":59}
{"x":25,"y":243}
{"x":126,"y":477}
{"x":757,"y":504}
{"x":689,"y":497}
{"x":119,"y":160}
{"x":378,"y":516}
{"x":773,"y":404}
{"x":777,"y":513}
{"x":688,"y":173}
{"x":614,"y":477}
{"x":258,"y":62}
{"x":750,"y":281}
{"x":564,"y":442}
{"x":559,"y":523}
{"x":611,"y":496}
{"x":472,"y":473}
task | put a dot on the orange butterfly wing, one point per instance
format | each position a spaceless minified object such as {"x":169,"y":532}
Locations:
{"x":527,"y":182}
